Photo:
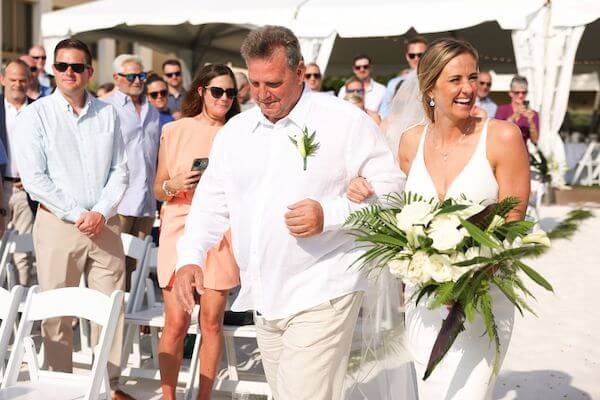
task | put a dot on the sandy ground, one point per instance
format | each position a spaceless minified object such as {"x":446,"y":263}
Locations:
{"x":557,"y":356}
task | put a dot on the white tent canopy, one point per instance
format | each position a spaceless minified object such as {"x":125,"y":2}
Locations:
{"x":545,"y":33}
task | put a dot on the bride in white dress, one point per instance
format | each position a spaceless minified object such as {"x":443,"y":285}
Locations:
{"x":455,"y":153}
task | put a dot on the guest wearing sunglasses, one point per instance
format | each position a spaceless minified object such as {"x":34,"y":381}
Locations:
{"x":38,"y":53}
{"x":518,"y":110}
{"x":483,"y":101}
{"x":172,"y":73}
{"x":355,"y":94}
{"x":140,"y":128}
{"x":70,"y":155}
{"x":313,"y":78}
{"x":35,"y":89}
{"x":210,"y":103}
{"x":374,"y":91}
{"x":413,"y":50}
{"x":157,"y":92}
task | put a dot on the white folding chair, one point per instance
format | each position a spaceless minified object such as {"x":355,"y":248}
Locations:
{"x":75,"y":302}
{"x":13,"y":243}
{"x":9,"y":308}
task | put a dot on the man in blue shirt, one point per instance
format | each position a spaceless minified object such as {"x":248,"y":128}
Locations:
{"x":484,"y":85}
{"x":71,"y":158}
{"x":414,"y":49}
{"x":140,"y":127}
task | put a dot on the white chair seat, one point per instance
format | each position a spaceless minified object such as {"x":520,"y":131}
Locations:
{"x":153,"y":317}
{"x":246,"y":331}
{"x":46,"y":391}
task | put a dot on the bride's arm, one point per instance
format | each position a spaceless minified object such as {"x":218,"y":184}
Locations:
{"x":510,"y":159}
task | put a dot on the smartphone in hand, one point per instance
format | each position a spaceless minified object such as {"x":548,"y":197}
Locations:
{"x":200,"y":164}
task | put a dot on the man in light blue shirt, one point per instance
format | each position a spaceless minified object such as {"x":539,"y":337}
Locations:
{"x":71,"y":159}
{"x":414,"y":49}
{"x":140,"y":127}
{"x":484,"y":85}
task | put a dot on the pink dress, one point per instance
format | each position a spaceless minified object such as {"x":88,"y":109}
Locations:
{"x":183,"y":141}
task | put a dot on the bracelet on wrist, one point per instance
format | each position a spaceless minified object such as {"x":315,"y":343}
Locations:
{"x":166,"y":190}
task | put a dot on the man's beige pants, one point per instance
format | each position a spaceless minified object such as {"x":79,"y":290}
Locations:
{"x":63,"y":254}
{"x":19,"y":213}
{"x":139,"y":227}
{"x":305,"y":356}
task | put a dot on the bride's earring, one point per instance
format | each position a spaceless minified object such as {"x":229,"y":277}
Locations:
{"x":431,"y":102}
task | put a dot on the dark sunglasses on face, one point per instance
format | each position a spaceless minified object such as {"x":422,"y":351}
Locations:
{"x":362,"y":67}
{"x":154,"y":95}
{"x":310,"y":76}
{"x":131,"y":77}
{"x":357,"y":91}
{"x":38,"y":57}
{"x":217,"y":92}
{"x":412,"y":56}
{"x":77,"y":67}
{"x":172,"y":74}
{"x":488,"y":84}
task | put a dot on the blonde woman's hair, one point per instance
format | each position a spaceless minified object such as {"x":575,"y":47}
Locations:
{"x":434,"y":60}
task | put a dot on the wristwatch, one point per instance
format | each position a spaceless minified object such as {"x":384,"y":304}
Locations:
{"x":2,"y":212}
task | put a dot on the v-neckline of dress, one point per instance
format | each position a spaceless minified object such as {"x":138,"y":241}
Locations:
{"x":431,"y":181}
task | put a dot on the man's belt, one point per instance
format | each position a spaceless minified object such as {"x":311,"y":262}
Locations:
{"x":11,"y":179}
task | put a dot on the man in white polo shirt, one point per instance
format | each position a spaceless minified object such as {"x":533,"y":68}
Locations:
{"x":286,"y":209}
{"x":374,"y":91}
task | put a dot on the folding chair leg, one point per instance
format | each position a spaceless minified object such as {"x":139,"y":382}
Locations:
{"x":136,"y":350}
{"x":194,"y":363}
{"x":154,"y":343}
{"x":231,"y":358}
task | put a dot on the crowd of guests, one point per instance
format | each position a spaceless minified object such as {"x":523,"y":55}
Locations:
{"x":88,"y":185}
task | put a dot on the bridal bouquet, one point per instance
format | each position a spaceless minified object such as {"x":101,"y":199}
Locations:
{"x":453,"y":252}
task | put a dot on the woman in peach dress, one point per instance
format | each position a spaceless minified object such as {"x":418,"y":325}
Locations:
{"x":209,"y":104}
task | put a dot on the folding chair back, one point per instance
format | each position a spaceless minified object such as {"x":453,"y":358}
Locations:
{"x":75,"y":302}
{"x":9,"y":307}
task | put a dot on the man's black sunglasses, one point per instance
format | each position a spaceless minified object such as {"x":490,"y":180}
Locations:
{"x":131,"y":77}
{"x":172,"y":74}
{"x":315,"y":75}
{"x":217,"y":92}
{"x":412,"y":56}
{"x":154,"y":95}
{"x":77,"y":67}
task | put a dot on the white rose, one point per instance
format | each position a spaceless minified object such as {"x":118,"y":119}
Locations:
{"x":412,"y":234}
{"x":417,"y":268}
{"x":399,"y":267}
{"x":538,"y":236}
{"x":417,"y":213}
{"x":445,"y":220}
{"x":445,"y":235}
{"x":300,"y":145}
{"x":438,"y":268}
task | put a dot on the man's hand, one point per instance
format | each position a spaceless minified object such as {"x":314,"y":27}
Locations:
{"x":90,"y":223}
{"x":305,"y":218}
{"x":188,"y":278}
{"x":359,"y":190}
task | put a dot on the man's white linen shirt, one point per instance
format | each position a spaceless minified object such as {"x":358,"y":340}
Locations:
{"x":10,"y":114}
{"x":71,"y":163}
{"x":255,"y":172}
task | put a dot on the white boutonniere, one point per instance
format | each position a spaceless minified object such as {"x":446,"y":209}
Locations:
{"x":306,"y":144}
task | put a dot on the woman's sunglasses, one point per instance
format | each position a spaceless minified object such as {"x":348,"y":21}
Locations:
{"x":162,"y":93}
{"x":217,"y":92}
{"x":131,"y":77}
{"x":77,"y":67}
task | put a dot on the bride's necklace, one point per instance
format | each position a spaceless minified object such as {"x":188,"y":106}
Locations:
{"x":446,"y":153}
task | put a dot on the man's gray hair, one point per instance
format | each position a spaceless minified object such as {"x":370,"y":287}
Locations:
{"x":518,"y":80}
{"x":262,"y":42}
{"x":18,"y":62}
{"x":124,"y":59}
{"x":240,"y":79}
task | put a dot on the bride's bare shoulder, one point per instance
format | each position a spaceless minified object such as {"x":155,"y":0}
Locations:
{"x":409,"y":142}
{"x":503,"y":133}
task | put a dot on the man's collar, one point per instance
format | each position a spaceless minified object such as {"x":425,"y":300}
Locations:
{"x":297,"y":115}
{"x":8,"y":104}
{"x":62,"y":101}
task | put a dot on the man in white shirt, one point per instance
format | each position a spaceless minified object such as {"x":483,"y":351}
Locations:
{"x":15,"y":80}
{"x":71,"y":157}
{"x":374,"y":91}
{"x":286,"y":212}
{"x":484,"y":86}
